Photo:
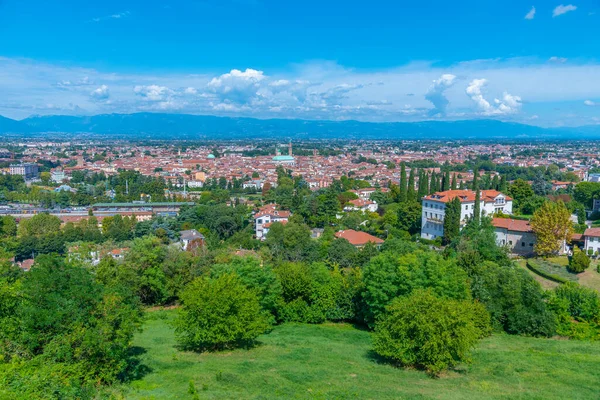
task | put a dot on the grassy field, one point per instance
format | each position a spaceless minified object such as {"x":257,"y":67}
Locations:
{"x":334,"y":361}
{"x":558,"y":266}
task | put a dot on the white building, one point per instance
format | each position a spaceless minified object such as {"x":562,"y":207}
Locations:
{"x":361,"y":205}
{"x":58,"y":175}
{"x":434,"y":208}
{"x":266,"y":216}
{"x":592,"y":240}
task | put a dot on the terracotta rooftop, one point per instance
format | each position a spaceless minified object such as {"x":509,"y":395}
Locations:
{"x":357,"y":238}
{"x":592,"y":232}
{"x":516,"y":225}
{"x":465,"y":196}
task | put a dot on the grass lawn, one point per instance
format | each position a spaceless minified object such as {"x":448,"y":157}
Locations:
{"x":546,"y":283}
{"x":334,"y":361}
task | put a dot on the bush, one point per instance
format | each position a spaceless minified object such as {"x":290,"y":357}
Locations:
{"x":219,"y":313}
{"x":583,"y":303}
{"x":579,"y":262}
{"x":428,"y":332}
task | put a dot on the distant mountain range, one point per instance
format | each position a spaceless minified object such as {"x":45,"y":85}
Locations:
{"x":185,"y":126}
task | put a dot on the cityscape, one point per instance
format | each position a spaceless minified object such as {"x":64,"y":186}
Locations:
{"x":246,"y":199}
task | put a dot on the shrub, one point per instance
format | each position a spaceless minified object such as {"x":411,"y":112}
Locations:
{"x":428,"y":332}
{"x":579,"y":262}
{"x":583,"y":303}
{"x":219,"y":313}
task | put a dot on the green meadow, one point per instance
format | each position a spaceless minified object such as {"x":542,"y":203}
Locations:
{"x":334,"y":361}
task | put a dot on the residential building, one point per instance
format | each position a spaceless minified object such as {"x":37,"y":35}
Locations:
{"x":27,"y":170}
{"x":358,"y":239}
{"x":191,"y":239}
{"x":361,"y":205}
{"x":58,"y":175}
{"x":516,"y":235}
{"x":434,"y":206}
{"x":266,"y":216}
{"x":591,"y":239}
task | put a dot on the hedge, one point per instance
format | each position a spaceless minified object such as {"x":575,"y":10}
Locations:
{"x":534,"y":268}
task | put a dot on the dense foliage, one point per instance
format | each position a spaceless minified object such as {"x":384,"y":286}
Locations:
{"x":219,"y":313}
{"x":429,"y":332}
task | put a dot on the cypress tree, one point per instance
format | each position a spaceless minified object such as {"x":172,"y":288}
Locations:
{"x":495,"y":182}
{"x":475,"y":178}
{"x":411,"y":195}
{"x":453,"y":185}
{"x":403,"y":183}
{"x":502,"y":187}
{"x":477,"y":208}
{"x":446,"y":181}
{"x":423,"y":184}
{"x":433,"y":183}
{"x":452,"y":221}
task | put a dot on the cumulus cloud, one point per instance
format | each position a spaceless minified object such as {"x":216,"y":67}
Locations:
{"x":101,"y":93}
{"x":435,"y":93}
{"x":153,"y":92}
{"x":509,"y":104}
{"x":237,"y":86}
{"x":590,"y":103}
{"x":562,"y":9}
{"x":530,"y":14}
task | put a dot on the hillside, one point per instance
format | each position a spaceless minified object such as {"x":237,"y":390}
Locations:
{"x":335,"y":361}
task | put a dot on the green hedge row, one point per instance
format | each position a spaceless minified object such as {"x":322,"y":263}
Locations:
{"x":533,"y":266}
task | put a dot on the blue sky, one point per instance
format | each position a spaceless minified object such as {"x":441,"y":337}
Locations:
{"x":374,"y":61}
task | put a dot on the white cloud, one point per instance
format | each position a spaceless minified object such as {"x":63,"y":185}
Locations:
{"x":509,"y":104}
{"x":557,"y":60}
{"x":237,"y":86}
{"x":590,"y":103}
{"x":435,"y":93}
{"x":530,"y":14}
{"x":112,"y":16}
{"x":153,"y":92}
{"x":101,"y":93}
{"x":318,"y":90}
{"x":562,"y":9}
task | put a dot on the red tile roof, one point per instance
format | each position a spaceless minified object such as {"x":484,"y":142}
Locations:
{"x":357,"y":238}
{"x":592,"y":232}
{"x":465,"y":196}
{"x":516,"y":225}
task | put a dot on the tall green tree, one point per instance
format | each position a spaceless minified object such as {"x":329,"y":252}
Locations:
{"x":446,"y":181}
{"x":411,"y":194}
{"x":453,"y":185}
{"x":403,"y":183}
{"x":452,"y":220}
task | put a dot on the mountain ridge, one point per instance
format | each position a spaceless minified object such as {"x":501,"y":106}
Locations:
{"x":188,"y":126}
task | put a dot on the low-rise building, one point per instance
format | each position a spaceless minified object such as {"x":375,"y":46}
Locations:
{"x":266,"y":216}
{"x":358,"y":239}
{"x":516,"y":235}
{"x":361,"y":205}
